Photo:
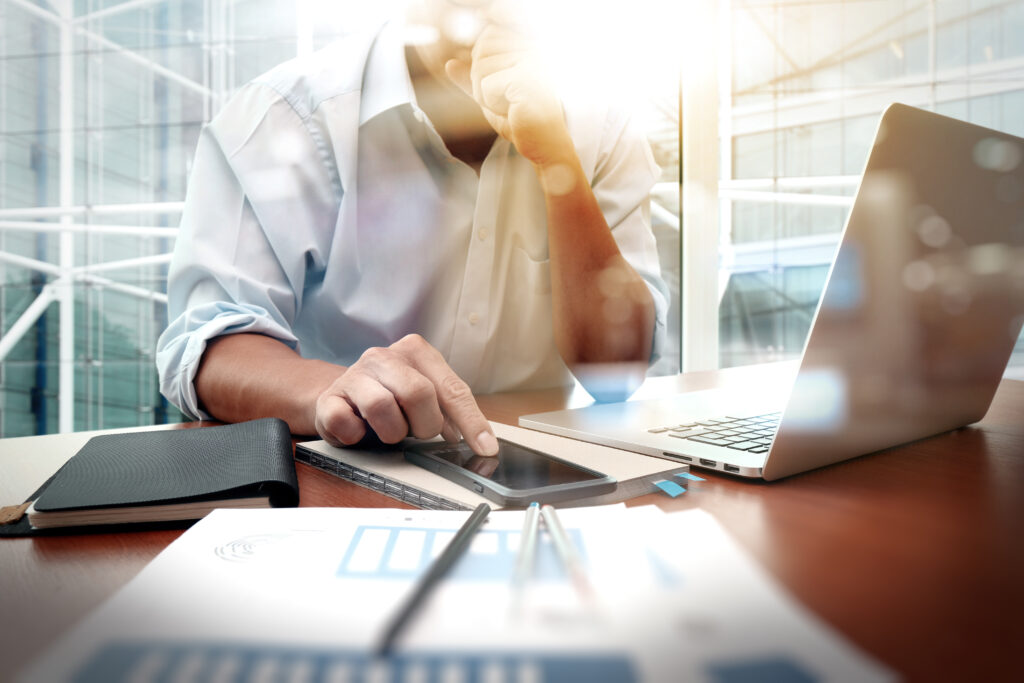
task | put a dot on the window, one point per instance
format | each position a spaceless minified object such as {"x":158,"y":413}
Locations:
{"x":807,"y":84}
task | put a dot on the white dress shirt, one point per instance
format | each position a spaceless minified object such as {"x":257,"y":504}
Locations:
{"x":324,"y":210}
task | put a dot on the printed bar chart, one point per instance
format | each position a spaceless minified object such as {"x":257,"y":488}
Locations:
{"x":402,"y":553}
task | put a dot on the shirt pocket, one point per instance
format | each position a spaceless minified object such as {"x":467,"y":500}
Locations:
{"x":525,"y":352}
{"x":528,"y":275}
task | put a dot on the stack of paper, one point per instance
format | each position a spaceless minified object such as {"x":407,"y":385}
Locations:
{"x":303,"y":595}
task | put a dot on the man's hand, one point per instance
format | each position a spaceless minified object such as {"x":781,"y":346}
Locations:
{"x":507,"y":78}
{"x":404,"y":389}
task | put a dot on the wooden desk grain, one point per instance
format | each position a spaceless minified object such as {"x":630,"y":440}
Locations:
{"x":915,"y":554}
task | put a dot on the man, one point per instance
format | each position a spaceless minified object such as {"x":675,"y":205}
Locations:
{"x":421,"y":220}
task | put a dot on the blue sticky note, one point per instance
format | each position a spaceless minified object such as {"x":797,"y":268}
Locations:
{"x":691,"y":477}
{"x":670,"y":487}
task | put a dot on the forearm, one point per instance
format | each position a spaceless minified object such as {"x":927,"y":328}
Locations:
{"x":603,"y":311}
{"x":248,"y":376}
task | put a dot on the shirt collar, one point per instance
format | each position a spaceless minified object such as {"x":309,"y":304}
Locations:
{"x":386,"y":81}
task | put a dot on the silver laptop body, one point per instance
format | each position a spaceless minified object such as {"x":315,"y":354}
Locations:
{"x":921,"y":310}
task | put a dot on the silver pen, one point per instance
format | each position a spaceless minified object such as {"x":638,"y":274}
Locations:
{"x":525,"y":561}
{"x":567,"y":552}
{"x":527,"y":546}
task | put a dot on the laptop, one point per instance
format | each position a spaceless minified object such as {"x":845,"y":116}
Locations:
{"x":920,"y":312}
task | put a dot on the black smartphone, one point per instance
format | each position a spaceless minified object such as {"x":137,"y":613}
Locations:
{"x":515,"y":477}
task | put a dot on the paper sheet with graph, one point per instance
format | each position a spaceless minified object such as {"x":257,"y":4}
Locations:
{"x":302,"y":595}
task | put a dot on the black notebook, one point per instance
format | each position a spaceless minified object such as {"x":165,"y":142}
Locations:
{"x":170,"y":475}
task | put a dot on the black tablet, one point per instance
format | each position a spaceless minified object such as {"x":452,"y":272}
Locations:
{"x":516,"y":476}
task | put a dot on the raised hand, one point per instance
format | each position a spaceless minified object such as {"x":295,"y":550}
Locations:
{"x":506,"y":77}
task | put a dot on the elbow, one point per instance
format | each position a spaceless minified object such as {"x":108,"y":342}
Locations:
{"x":620,"y":330}
{"x":610,"y":358}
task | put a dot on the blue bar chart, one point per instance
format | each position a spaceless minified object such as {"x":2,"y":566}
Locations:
{"x":402,"y":553}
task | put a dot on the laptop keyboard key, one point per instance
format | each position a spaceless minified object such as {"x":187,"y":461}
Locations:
{"x":753,"y":434}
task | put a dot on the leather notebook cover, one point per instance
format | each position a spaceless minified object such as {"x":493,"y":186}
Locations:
{"x":168,"y":467}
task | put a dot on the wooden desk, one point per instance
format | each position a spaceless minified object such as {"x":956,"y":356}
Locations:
{"x":915,"y":554}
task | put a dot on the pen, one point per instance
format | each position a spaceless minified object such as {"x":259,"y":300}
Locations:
{"x":525,"y":560}
{"x":566,"y":551}
{"x":527,"y":545}
{"x":433,"y":576}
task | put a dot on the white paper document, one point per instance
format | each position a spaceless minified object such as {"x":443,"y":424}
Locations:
{"x":304,"y":594}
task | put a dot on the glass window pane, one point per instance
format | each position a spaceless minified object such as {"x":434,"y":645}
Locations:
{"x":810,"y":81}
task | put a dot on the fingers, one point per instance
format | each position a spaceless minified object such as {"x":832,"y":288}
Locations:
{"x":496,"y":50}
{"x":490,"y":78}
{"x":453,"y":395}
{"x":496,"y":40}
{"x":416,"y":398}
{"x":378,"y":406}
{"x":484,"y":66}
{"x":405,"y":389}
{"x":392,"y":397}
{"x":450,"y":432}
{"x":459,"y":73}
{"x":336,"y":421}
{"x":470,"y":77}
{"x":494,"y":91}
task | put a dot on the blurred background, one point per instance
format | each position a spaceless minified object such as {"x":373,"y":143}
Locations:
{"x":760,"y":114}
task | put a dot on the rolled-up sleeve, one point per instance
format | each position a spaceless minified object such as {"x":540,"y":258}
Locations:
{"x":624,"y":175}
{"x":234,"y":269}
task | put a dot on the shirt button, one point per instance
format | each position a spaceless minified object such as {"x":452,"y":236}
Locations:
{"x":482,"y":234}
{"x":473,"y":318}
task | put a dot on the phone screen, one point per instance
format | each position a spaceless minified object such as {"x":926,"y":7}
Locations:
{"x":515,"y":466}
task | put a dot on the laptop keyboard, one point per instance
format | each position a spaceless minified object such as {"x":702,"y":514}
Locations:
{"x":751,"y":434}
